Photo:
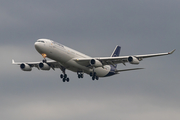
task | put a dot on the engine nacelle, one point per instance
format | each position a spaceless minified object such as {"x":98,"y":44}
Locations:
{"x":95,"y":63}
{"x":44,"y":66}
{"x":25,"y":67}
{"x":133,"y":60}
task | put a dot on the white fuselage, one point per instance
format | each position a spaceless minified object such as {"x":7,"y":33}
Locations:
{"x":65,"y":56}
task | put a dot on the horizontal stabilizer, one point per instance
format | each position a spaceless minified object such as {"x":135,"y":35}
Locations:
{"x":128,"y":69}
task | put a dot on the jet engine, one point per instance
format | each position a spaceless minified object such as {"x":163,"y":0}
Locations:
{"x":95,"y":63}
{"x":25,"y":67}
{"x":44,"y":66}
{"x":133,"y":60}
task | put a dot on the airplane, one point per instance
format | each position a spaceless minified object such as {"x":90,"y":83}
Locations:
{"x":66,"y":58}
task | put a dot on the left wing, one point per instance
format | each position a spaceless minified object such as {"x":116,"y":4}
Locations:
{"x":27,"y":66}
{"x":117,"y":60}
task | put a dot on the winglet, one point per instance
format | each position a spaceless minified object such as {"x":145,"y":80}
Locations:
{"x":171,"y":52}
{"x":13,"y":61}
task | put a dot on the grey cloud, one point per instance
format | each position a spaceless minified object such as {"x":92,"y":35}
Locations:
{"x":95,"y":19}
{"x":94,"y":28}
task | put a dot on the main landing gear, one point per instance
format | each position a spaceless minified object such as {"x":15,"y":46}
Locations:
{"x":80,"y":75}
{"x":64,"y":75}
{"x":93,"y":75}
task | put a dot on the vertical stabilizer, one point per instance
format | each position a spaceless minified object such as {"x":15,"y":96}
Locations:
{"x":116,"y":51}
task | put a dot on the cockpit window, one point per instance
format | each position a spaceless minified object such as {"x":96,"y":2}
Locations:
{"x":41,"y":41}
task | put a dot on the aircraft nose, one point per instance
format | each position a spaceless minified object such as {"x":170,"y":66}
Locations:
{"x":36,"y":45}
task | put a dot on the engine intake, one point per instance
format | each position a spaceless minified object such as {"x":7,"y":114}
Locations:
{"x":44,"y":66}
{"x":25,"y":67}
{"x":95,"y":63}
{"x":133,"y":60}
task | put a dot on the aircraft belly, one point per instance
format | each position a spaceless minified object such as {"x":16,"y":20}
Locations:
{"x":73,"y":66}
{"x":101,"y":72}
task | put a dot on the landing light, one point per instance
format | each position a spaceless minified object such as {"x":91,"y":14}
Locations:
{"x":44,"y":55}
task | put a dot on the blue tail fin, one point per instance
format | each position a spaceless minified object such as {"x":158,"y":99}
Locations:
{"x":116,"y":51}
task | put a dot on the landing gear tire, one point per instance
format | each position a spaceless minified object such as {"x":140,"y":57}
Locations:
{"x":91,"y":74}
{"x":82,"y":75}
{"x":64,"y":80}
{"x":61,"y":76}
{"x":79,"y":76}
{"x":67,"y":79}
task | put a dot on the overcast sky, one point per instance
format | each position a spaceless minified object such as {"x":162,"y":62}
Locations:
{"x":93,"y":27}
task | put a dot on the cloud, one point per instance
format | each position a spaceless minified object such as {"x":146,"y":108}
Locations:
{"x":85,"y":105}
{"x":94,"y":28}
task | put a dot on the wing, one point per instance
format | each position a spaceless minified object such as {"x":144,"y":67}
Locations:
{"x":124,"y":59}
{"x":52,"y":64}
{"x":117,"y":60}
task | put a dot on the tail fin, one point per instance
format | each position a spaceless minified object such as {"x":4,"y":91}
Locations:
{"x":116,"y":51}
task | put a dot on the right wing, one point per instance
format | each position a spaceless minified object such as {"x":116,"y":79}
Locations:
{"x":117,"y":60}
{"x":124,"y":59}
